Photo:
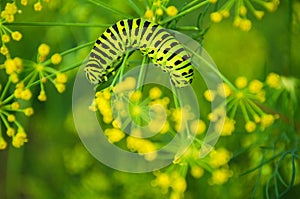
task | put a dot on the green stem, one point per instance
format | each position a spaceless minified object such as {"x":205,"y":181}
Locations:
{"x":107,"y":7}
{"x":48,"y":61}
{"x":40,"y":23}
{"x":214,"y":69}
{"x":138,"y":10}
{"x":184,"y":12}
{"x":5,"y":89}
{"x":142,"y":73}
{"x":122,"y":68}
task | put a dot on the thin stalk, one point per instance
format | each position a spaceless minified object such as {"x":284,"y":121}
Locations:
{"x":185,"y":12}
{"x":107,"y":7}
{"x":40,"y":23}
{"x":142,"y":73}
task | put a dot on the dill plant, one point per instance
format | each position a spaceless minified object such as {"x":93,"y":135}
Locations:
{"x":264,"y":110}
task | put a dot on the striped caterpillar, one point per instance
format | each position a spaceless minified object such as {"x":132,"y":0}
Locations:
{"x":138,"y":34}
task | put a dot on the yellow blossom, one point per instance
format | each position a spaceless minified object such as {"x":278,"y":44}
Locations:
{"x":10,"y":131}
{"x":10,"y":66}
{"x":171,"y":11}
{"x":241,"y":82}
{"x":20,"y":138}
{"x":213,"y":1}
{"x":227,"y":128}
{"x":250,"y":126}
{"x":11,"y":8}
{"x":15,"y":105}
{"x":220,"y":176}
{"x":223,"y":90}
{"x":136,"y":96}
{"x":159,"y":11}
{"x":197,"y":127}
{"x":197,"y":172}
{"x":114,"y":134}
{"x":267,"y":120}
{"x":149,"y":14}
{"x":4,"y":50}
{"x":61,"y":78}
{"x":259,"y":14}
{"x":14,"y":78}
{"x":24,"y":2}
{"x":209,"y":95}
{"x":26,"y":94}
{"x":19,"y":64}
{"x":43,"y":50}
{"x":219,"y":157}
{"x":28,"y":111}
{"x":216,"y":17}
{"x":245,"y":25}
{"x":5,"y":38}
{"x":273,"y":80}
{"x":3,"y":143}
{"x":42,"y":96}
{"x":60,"y":87}
{"x":38,"y":6}
{"x":56,"y":58}
{"x":155,"y":93}
{"x":255,"y":86}
{"x":117,"y":123}
{"x":242,"y":10}
{"x":225,"y":13}
{"x":179,"y":184}
{"x":271,"y":6}
{"x":11,"y":118}
{"x":162,"y":180}
{"x":16,"y":35}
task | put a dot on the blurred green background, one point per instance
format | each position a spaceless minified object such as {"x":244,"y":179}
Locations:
{"x":55,"y":164}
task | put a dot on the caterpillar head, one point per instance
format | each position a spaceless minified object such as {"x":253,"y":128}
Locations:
{"x":94,"y":72}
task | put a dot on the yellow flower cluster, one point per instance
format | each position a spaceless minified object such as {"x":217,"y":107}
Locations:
{"x":241,"y":10}
{"x":172,"y":180}
{"x":19,"y":76}
{"x":9,"y":11}
{"x":10,"y":109}
{"x":245,"y":96}
{"x":6,"y":34}
{"x":157,"y":10}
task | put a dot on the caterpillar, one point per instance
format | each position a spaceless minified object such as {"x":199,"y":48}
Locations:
{"x":152,"y":40}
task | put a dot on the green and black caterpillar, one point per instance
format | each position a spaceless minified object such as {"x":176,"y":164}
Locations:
{"x":139,"y":34}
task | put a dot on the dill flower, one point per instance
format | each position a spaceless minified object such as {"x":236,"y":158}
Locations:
{"x":43,"y":50}
{"x":273,"y":80}
{"x":250,"y":126}
{"x":20,"y":138}
{"x":56,"y":59}
{"x":16,"y":35}
{"x":5,"y":38}
{"x":159,"y":11}
{"x":220,"y":176}
{"x":241,"y":82}
{"x":3,"y":143}
{"x":171,"y":11}
{"x":255,"y":86}
{"x":149,"y":14}
{"x":197,"y":172}
{"x":216,"y":17}
{"x":209,"y":95}
{"x":155,"y":93}
{"x":38,"y":6}
{"x":114,"y":134}
{"x":197,"y":127}
{"x":219,"y":157}
{"x":242,"y":9}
